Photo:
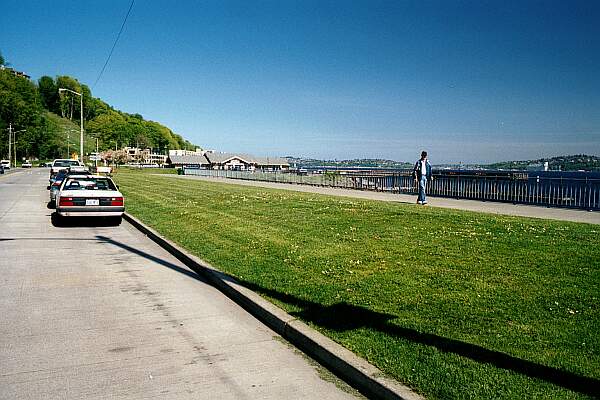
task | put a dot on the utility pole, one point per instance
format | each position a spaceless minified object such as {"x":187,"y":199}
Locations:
{"x":12,"y":140}
{"x":15,"y":144}
{"x":9,"y":143}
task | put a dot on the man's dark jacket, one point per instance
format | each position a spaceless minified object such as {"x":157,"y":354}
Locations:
{"x":417,"y":173}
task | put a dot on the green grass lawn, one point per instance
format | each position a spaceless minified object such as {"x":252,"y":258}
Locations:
{"x":454,"y":304}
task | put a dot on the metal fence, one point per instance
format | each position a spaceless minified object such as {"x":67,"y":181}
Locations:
{"x":543,"y":189}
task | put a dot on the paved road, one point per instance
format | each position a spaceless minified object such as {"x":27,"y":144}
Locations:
{"x":98,"y":312}
{"x":561,"y":214}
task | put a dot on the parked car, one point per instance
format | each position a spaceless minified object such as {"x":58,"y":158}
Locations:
{"x":57,"y":181}
{"x":26,"y":164}
{"x":90,"y":196}
{"x":5,"y":164}
{"x":62,"y":163}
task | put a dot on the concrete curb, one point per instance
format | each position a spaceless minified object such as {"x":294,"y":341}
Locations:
{"x":354,"y":370}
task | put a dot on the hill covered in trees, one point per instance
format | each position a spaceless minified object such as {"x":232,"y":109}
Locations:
{"x":560,"y":163}
{"x":363,"y":163}
{"x":48,"y":122}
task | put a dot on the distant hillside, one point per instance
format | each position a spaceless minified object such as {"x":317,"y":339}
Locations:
{"x":364,"y":162}
{"x":561,"y":163}
{"x":48,"y":122}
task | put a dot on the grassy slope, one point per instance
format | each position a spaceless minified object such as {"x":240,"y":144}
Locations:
{"x":64,"y":125}
{"x":419,"y":292}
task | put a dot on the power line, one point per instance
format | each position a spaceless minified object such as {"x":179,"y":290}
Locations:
{"x":114,"y":44}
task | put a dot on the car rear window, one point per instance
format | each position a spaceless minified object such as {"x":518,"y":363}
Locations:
{"x":65,"y":163}
{"x":89,"y":184}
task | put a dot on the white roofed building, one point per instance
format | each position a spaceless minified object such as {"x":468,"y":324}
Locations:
{"x":186,"y":152}
{"x":228,"y":161}
{"x":245,"y":162}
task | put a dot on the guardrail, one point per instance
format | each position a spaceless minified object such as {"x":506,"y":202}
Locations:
{"x":513,"y":187}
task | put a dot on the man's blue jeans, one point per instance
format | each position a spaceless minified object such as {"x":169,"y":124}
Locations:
{"x":422,"y":187}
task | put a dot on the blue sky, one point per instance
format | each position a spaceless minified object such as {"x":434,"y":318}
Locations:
{"x":470,"y":81}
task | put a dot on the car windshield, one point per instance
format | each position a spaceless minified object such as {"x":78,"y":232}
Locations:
{"x":89,"y":183}
{"x":65,"y":163}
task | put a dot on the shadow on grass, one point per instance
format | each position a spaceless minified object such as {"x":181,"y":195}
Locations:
{"x":343,"y":317}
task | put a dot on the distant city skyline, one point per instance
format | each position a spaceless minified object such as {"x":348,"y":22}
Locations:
{"x":471,"y":82}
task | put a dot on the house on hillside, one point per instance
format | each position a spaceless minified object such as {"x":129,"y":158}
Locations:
{"x":14,"y":72}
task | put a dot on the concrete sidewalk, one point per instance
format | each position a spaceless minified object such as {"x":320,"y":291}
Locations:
{"x":561,"y":214}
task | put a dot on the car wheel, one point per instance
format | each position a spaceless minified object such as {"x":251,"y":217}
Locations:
{"x":57,"y":220}
{"x":116,"y":221}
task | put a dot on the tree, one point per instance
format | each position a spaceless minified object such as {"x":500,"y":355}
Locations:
{"x":3,"y":60}
{"x":67,"y":104}
{"x":49,"y":93}
{"x":111,"y":129}
{"x":21,"y":106}
{"x":141,"y":141}
{"x":119,"y":157}
{"x":89,"y":106}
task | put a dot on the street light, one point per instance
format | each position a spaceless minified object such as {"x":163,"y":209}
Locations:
{"x":81,"y":114}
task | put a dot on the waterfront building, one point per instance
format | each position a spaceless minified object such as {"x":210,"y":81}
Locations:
{"x":228,"y":161}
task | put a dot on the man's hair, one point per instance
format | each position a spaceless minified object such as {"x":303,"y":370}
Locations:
{"x":423,"y":154}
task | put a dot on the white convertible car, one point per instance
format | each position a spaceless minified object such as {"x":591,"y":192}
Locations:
{"x":90,"y":196}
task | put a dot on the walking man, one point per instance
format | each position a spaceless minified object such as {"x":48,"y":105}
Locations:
{"x":422,"y":173}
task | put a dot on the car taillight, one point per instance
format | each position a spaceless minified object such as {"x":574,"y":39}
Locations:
{"x":65,"y":201}
{"x":116,"y":201}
